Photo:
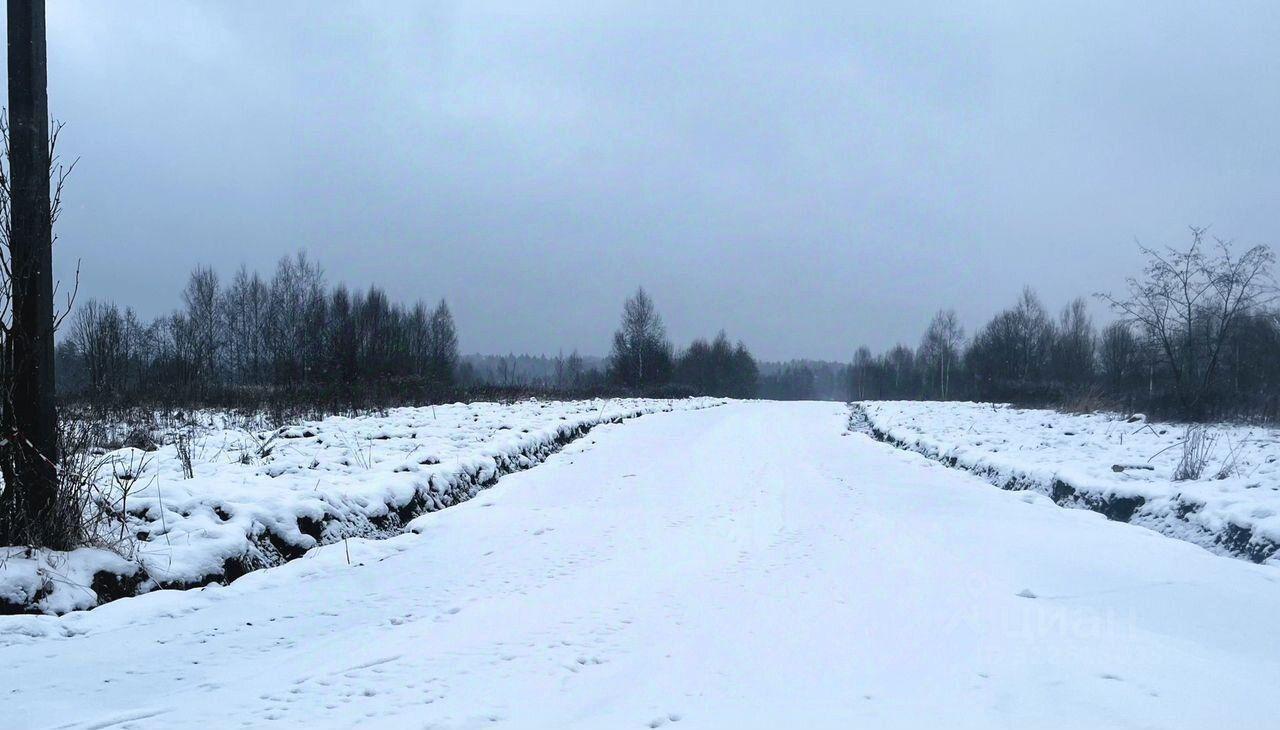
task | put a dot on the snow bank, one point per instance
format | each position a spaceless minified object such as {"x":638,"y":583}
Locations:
{"x":258,"y":499}
{"x":1120,"y":467}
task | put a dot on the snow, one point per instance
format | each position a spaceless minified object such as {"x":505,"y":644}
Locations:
{"x":753,"y":565}
{"x":1109,"y":463}
{"x":257,"y":499}
{"x":56,"y":582}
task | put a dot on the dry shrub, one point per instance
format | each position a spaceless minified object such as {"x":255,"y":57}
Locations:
{"x":1089,"y":400}
{"x":1197,"y":446}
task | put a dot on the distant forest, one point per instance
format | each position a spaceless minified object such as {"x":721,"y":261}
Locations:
{"x":292,"y":340}
{"x":1196,"y":336}
{"x":290,"y":337}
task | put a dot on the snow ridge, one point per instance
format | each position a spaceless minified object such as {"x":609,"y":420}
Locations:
{"x":1027,"y":450}
{"x":260,"y":500}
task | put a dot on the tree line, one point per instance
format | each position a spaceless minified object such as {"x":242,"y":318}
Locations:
{"x":571,"y":374}
{"x":805,"y":380}
{"x":1196,"y":337}
{"x":293,"y":336}
{"x":643,"y":360}
{"x":290,"y":333}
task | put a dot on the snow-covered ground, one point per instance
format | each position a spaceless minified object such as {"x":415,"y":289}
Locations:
{"x":256,"y":499}
{"x":748,"y":566}
{"x":1122,"y":467}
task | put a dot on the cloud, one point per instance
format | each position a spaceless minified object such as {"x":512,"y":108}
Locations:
{"x":810,"y":178}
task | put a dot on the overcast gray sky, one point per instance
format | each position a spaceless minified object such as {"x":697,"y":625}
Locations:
{"x":809,"y":176}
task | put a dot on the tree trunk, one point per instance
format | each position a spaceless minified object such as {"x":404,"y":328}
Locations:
{"x":30,"y":512}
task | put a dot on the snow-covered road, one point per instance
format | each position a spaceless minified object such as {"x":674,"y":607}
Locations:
{"x":748,"y":566}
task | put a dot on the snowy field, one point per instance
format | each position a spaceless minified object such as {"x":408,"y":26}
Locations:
{"x":754,"y":565}
{"x":254,"y":499}
{"x":1124,"y":468}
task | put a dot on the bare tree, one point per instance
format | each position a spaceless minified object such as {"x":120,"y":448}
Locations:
{"x":204,"y":319}
{"x":863,"y":363}
{"x":573,"y":370}
{"x":1032,"y":336}
{"x":940,"y":349}
{"x":1074,"y":346}
{"x":901,"y":364}
{"x":296,"y":301}
{"x":1119,"y":356}
{"x":244,"y":321}
{"x":641,"y":355}
{"x":100,"y":336}
{"x":1189,"y":302}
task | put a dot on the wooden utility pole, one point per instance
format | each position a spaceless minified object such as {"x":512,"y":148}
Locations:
{"x":29,"y":507}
